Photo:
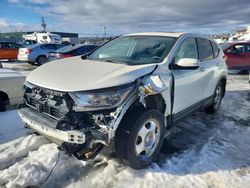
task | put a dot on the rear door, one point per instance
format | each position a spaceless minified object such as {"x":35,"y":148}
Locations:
{"x":188,"y":91}
{"x":209,"y":64}
{"x":2,"y":50}
{"x":5,"y":51}
{"x":13,"y":50}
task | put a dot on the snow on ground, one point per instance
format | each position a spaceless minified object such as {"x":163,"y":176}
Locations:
{"x":17,"y":65}
{"x":205,"y":151}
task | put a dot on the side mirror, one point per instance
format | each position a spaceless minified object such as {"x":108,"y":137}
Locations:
{"x":188,"y":63}
{"x":84,"y":56}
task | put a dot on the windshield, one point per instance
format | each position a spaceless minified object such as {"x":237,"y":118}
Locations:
{"x":134,"y":50}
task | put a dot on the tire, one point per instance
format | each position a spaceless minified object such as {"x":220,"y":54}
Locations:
{"x":218,"y":94}
{"x":41,"y":60}
{"x":139,"y":138}
{"x":2,"y":106}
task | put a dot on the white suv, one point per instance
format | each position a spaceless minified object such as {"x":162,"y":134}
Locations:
{"x":125,"y":95}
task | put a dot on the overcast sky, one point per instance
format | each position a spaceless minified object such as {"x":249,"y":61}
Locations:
{"x":88,"y":17}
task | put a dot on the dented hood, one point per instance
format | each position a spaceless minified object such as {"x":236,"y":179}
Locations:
{"x":75,"y":74}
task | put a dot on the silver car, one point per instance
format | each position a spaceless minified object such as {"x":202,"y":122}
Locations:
{"x":37,"y":53}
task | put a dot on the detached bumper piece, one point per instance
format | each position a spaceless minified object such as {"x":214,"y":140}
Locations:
{"x":47,"y":127}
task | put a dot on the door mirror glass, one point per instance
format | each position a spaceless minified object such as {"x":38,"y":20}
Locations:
{"x":188,"y":63}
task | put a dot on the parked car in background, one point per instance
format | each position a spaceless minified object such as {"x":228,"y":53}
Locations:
{"x":37,"y":53}
{"x":125,"y":95}
{"x":11,"y":89}
{"x":9,"y":50}
{"x":237,"y":55}
{"x":71,"y":50}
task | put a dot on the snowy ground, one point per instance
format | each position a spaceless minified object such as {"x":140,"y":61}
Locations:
{"x":205,"y":151}
{"x":17,"y":65}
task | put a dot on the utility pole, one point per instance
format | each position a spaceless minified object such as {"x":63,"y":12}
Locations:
{"x":104,"y":31}
{"x":43,"y":24}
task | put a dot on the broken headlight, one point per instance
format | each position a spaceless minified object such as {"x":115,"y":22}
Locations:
{"x":101,"y":99}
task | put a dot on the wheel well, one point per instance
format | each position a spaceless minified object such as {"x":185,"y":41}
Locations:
{"x":4,"y":97}
{"x":223,"y":81}
{"x":152,"y":102}
{"x":41,"y":56}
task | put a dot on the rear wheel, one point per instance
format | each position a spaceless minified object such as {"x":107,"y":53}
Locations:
{"x":217,"y":99}
{"x":139,"y":138}
{"x":41,"y":60}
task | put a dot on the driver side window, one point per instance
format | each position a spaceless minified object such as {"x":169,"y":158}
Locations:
{"x":188,"y":49}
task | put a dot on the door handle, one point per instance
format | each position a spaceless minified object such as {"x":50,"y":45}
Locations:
{"x":202,"y":69}
{"x":217,"y":64}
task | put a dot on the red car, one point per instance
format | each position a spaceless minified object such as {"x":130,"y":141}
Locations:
{"x":9,"y":50}
{"x":237,"y":55}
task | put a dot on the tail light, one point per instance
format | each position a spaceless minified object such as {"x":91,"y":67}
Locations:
{"x":63,"y":55}
{"x":28,"y":51}
{"x":225,"y":57}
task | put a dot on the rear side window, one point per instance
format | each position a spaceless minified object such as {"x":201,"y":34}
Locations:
{"x":204,"y":49}
{"x":4,"y":45}
{"x":48,"y":47}
{"x":90,"y":48}
{"x":216,"y":49}
{"x":58,"y":46}
{"x":82,"y":50}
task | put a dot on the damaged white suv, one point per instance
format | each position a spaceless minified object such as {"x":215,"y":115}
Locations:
{"x":125,"y":95}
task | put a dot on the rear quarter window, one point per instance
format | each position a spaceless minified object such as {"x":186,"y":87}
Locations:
{"x":205,"y":49}
{"x":82,"y":50}
{"x":216,"y":49}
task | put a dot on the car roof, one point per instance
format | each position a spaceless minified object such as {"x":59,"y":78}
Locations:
{"x":168,"y":34}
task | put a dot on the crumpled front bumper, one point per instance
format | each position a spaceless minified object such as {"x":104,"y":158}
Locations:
{"x":46,"y":126}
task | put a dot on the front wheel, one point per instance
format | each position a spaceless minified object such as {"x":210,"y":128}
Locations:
{"x":217,"y":99}
{"x":139,"y":138}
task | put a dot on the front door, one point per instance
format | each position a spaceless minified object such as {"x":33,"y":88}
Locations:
{"x":188,"y":90}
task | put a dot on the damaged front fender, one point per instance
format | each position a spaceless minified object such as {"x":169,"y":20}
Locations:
{"x":157,"y":84}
